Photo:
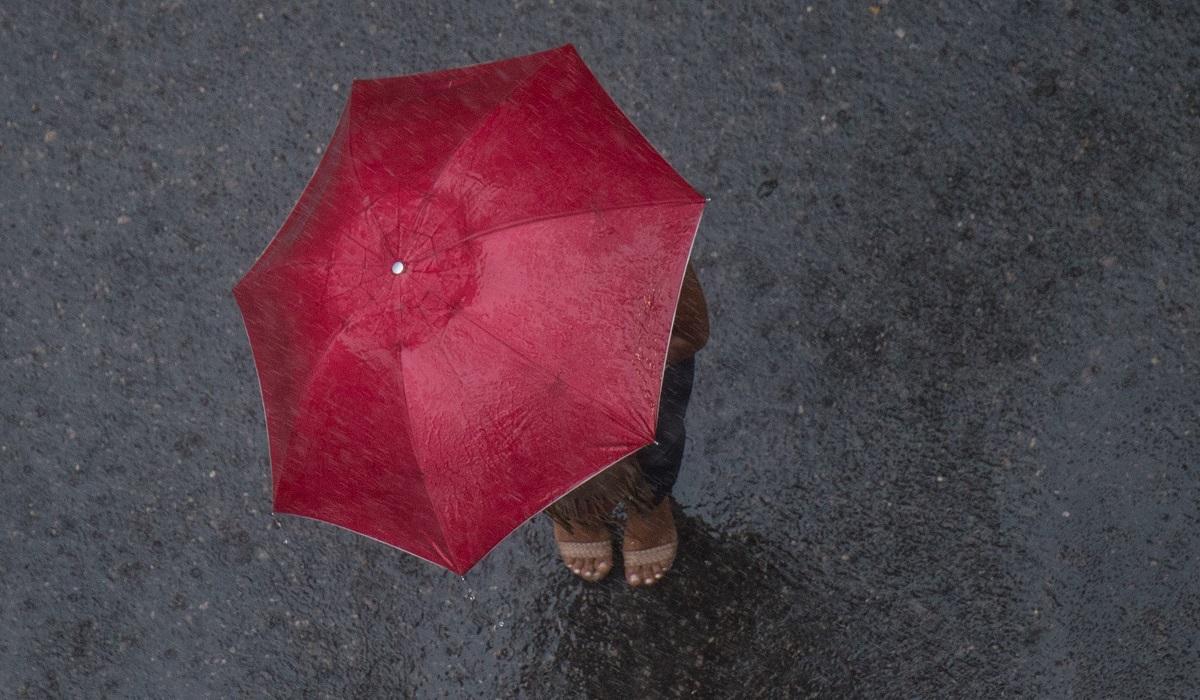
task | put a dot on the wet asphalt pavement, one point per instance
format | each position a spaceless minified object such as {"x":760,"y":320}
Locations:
{"x":944,"y":442}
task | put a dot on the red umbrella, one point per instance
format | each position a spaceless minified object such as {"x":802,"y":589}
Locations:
{"x":467,"y":313}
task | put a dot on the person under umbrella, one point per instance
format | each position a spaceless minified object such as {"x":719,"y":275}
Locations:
{"x":463,"y":317}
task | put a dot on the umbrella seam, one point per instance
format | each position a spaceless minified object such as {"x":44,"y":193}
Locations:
{"x":472,"y":131}
{"x":303,"y":394}
{"x":437,"y":515}
{"x":558,"y":215}
{"x":358,"y":176}
{"x":305,"y":397}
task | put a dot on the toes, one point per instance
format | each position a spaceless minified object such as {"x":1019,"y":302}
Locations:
{"x":648,"y":574}
{"x":588,"y":568}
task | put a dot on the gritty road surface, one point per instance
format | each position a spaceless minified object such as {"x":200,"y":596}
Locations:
{"x":943,"y":443}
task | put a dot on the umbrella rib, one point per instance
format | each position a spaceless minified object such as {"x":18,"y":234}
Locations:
{"x":607,"y":410}
{"x":458,"y":375}
{"x":358,"y":176}
{"x":312,"y":263}
{"x":353,"y":320}
{"x":368,"y":209}
{"x":424,"y":210}
{"x":437,"y":516}
{"x":557,"y":215}
{"x":325,"y":296}
{"x":364,"y":208}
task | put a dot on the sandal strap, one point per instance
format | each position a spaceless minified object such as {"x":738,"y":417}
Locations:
{"x":653,"y":555}
{"x":585,"y":549}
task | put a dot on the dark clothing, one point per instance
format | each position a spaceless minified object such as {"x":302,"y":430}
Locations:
{"x":660,"y":461}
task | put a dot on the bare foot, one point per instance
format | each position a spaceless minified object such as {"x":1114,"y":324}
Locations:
{"x":587,"y":551}
{"x":649,"y":546}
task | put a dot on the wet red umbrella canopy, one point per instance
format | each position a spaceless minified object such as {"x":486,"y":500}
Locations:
{"x":467,"y":313}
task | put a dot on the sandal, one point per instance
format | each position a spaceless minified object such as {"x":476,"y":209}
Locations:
{"x":592,"y":559}
{"x":646,"y":565}
{"x":583,"y":514}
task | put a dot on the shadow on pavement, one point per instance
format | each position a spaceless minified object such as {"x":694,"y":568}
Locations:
{"x":721,"y":624}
